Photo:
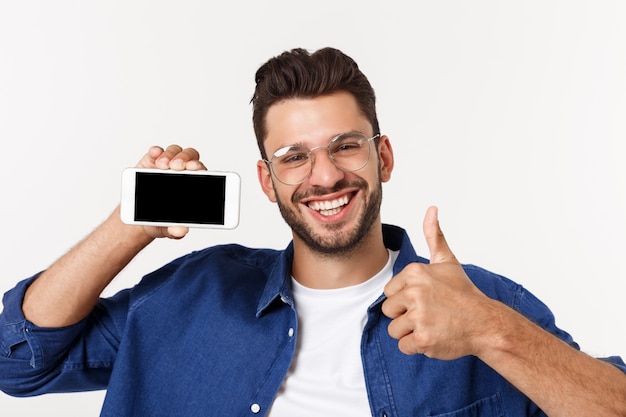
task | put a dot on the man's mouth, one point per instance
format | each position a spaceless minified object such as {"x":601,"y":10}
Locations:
{"x":328,"y":207}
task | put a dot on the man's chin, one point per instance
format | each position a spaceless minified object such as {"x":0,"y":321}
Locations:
{"x":334,"y":240}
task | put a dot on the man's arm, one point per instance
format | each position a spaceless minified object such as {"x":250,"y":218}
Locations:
{"x":561,"y":380}
{"x":69,"y":289}
{"x":437,"y":311}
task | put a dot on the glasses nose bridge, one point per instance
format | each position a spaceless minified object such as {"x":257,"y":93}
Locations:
{"x":312,"y":156}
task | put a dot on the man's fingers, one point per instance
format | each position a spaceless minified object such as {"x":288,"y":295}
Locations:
{"x":149,"y":159}
{"x":392,"y":308}
{"x":167,"y":158}
{"x":173,"y":157}
{"x":185,"y":159}
{"x":436,"y":241}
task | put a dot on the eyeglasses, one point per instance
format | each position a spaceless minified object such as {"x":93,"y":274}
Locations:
{"x":292,"y":165}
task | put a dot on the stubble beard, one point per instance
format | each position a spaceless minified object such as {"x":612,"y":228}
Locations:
{"x":336,"y":242}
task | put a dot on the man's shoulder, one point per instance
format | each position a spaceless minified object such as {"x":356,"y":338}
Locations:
{"x":513,"y":294}
{"x":217,"y":269}
{"x":236,"y":254}
{"x":490,"y":281}
{"x":232,"y":260}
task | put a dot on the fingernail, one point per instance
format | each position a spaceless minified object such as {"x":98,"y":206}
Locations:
{"x":177,"y":164}
{"x":162,"y":162}
{"x":193,"y":165}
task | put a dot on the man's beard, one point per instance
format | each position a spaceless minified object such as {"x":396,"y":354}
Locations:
{"x":340,"y":242}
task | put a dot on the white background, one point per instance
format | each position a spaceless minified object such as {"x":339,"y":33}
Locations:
{"x":510,"y":116}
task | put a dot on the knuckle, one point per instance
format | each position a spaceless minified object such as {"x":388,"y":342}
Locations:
{"x":174,"y":148}
{"x":416,"y":316}
{"x":423,"y":340}
{"x":415,"y":269}
{"x":192,"y":153}
{"x":414,"y":295}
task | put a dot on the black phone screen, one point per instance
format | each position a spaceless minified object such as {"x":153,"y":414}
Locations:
{"x":180,"y":198}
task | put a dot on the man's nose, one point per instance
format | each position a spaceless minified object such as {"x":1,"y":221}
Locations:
{"x":324,"y":172}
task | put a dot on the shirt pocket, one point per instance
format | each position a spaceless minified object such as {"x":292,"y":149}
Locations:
{"x":486,"y":407}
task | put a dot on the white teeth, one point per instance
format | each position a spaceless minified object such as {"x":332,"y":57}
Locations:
{"x":328,"y":208}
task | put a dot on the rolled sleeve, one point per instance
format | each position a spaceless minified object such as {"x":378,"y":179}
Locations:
{"x":31,"y":356}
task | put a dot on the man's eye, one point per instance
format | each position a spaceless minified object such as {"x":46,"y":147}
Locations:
{"x":346,"y":147}
{"x":292,"y":159}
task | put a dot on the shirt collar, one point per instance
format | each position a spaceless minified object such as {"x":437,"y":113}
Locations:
{"x":278,"y":285}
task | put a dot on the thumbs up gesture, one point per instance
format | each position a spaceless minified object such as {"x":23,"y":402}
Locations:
{"x":435,"y":309}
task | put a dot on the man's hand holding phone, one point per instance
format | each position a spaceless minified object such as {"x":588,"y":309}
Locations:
{"x":175,"y":158}
{"x":170,"y":190}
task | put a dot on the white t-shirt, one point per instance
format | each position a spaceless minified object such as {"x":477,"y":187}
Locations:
{"x":326,"y":375}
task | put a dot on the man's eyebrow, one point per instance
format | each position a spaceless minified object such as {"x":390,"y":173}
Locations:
{"x":301,"y":144}
{"x":293,"y":145}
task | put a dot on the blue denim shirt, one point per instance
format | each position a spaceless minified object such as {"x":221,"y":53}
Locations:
{"x":213,"y":334}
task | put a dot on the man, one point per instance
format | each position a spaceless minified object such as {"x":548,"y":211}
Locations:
{"x":346,"y":321}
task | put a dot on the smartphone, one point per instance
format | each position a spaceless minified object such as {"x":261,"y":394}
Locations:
{"x":180,"y":198}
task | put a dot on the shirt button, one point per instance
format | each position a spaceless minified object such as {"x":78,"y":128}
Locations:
{"x":255,"y":408}
{"x":290,"y":332}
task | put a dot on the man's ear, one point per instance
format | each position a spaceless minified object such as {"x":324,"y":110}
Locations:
{"x":385,"y":157}
{"x":265,"y":179}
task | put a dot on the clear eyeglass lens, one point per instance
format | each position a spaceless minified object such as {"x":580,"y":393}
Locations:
{"x":349,"y":152}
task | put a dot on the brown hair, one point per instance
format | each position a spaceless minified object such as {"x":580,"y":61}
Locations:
{"x":298,"y":73}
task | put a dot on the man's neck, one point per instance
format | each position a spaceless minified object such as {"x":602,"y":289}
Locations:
{"x":328,"y":271}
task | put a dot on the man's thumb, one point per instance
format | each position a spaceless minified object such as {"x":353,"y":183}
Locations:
{"x":436,"y":241}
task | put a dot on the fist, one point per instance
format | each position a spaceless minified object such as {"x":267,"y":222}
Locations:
{"x":435,"y":309}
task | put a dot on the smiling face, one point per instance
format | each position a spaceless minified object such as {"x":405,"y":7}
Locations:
{"x":333,"y":211}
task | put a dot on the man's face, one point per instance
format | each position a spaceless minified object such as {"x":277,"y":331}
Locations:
{"x":333,"y":211}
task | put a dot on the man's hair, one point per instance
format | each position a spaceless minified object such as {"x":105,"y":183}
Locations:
{"x":301,"y":74}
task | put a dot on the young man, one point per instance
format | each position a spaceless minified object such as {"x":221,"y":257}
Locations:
{"x":346,"y":321}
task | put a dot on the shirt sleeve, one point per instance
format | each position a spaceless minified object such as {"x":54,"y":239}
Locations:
{"x":524,"y":302}
{"x":537,"y":311}
{"x":36,"y":360}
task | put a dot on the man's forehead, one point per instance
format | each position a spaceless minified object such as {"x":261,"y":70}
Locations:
{"x":311,"y":121}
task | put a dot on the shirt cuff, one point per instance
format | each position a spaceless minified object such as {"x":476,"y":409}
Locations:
{"x":21,"y":339}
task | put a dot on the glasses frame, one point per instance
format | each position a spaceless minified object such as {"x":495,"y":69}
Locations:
{"x":330,"y":156}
